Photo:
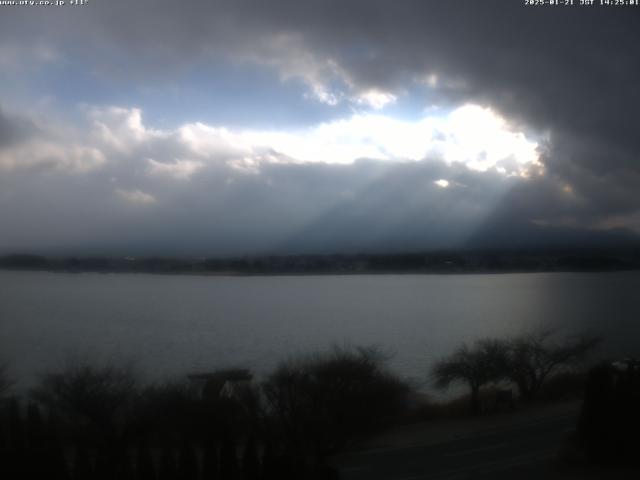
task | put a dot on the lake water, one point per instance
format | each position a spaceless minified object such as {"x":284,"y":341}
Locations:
{"x":171,"y":325}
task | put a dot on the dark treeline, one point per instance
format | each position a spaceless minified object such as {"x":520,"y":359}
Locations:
{"x":520,"y":260}
{"x":542,"y":366}
{"x":527,"y":362}
{"x":100,"y":422}
{"x":610,"y":418}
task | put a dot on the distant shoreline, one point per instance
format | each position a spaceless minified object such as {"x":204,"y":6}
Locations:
{"x":312,"y":274}
{"x":430,"y":263}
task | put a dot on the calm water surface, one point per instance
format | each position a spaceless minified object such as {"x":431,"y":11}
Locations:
{"x":169,"y":325}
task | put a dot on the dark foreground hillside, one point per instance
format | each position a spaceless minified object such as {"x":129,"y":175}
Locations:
{"x":335,"y":414}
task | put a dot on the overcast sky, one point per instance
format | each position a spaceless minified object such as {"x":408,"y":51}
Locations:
{"x":211,"y":127}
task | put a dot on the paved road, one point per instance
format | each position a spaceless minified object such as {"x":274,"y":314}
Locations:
{"x":516,"y":452}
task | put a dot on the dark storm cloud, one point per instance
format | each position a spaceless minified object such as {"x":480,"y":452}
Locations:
{"x":574,"y":71}
{"x":120,"y":186}
{"x":367,"y":206}
{"x":570,"y":72}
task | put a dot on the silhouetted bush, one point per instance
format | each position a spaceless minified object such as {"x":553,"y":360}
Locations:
{"x":167,"y":469}
{"x":57,"y":467}
{"x":564,"y":386}
{"x":94,"y":401}
{"x":168,"y":413}
{"x":14,"y":451}
{"x":320,"y":402}
{"x":103,"y":425}
{"x":82,"y":465}
{"x":5,"y":382}
{"x":188,"y":462}
{"x":145,"y":467}
{"x":210,"y":463}
{"x":123,"y":464}
{"x":36,"y":451}
{"x":250,"y":461}
{"x":610,"y":418}
{"x":228,"y":457}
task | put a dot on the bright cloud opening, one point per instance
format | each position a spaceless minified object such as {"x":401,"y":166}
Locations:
{"x":481,"y":139}
{"x":472,"y":135}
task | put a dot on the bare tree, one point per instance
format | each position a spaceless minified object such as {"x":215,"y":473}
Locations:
{"x":535,"y":357}
{"x":89,"y":395}
{"x":476,"y":366}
